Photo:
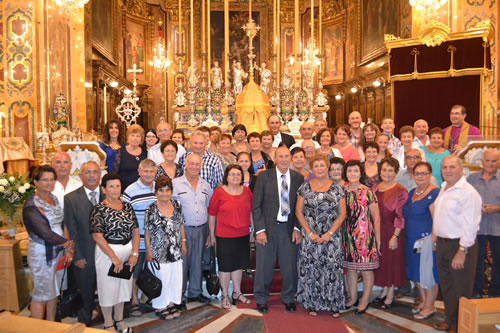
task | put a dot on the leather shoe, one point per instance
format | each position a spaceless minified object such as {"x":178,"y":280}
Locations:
{"x":262,"y":308}
{"x":201,"y":299}
{"x":181,"y":307}
{"x":441,"y":327}
{"x":290,"y":307}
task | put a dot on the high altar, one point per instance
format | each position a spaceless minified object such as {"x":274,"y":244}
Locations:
{"x":77,"y":64}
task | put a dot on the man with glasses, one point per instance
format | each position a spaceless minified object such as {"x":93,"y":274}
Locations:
{"x":405,"y":176}
{"x":164,"y":132}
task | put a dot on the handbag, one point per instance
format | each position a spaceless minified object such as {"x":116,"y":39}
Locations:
{"x":69,"y":302}
{"x":148,"y":282}
{"x":125,"y":273}
{"x":213,"y":284}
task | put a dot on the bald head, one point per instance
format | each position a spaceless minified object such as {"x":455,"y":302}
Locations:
{"x":420,"y":127}
{"x":355,"y":120}
{"x":164,"y":131}
{"x":61,"y":162}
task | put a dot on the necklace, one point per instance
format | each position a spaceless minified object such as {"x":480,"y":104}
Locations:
{"x":420,"y":192}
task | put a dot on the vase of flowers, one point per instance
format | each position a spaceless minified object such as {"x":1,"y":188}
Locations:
{"x":14,"y":191}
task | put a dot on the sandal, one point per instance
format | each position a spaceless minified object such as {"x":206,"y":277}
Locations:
{"x":416,"y":310}
{"x":224,"y":302}
{"x":241,"y":299}
{"x":419,"y":316}
{"x":170,"y":313}
{"x":313,"y":313}
{"x":125,"y":330}
{"x":336,"y":314}
{"x":112,"y":326}
{"x":135,"y":310}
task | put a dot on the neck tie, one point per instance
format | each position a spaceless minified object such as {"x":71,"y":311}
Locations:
{"x":285,"y":204}
{"x":93,"y":200}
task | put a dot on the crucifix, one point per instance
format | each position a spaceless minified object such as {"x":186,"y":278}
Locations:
{"x":251,"y":29}
{"x":134,"y":72}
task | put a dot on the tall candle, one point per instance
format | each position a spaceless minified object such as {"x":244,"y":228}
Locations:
{"x":191,"y":33}
{"x":105,"y":103}
{"x":312,"y":29}
{"x":208,"y":42}
{"x":274,"y":27}
{"x":226,"y":39}
{"x":278,"y":28}
{"x":296,"y":39}
{"x":320,"y":39}
{"x":203,"y":24}
{"x":179,"y":46}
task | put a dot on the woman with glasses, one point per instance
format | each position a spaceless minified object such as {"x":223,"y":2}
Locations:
{"x":231,"y":205}
{"x":417,"y":212}
{"x":151,"y":138}
{"x":335,"y":170}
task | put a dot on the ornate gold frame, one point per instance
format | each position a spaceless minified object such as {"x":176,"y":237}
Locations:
{"x":338,"y":20}
{"x":113,"y":55}
{"x":146,"y":22}
{"x":263,"y":9}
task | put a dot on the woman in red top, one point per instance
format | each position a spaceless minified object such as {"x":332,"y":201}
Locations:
{"x":231,"y":205}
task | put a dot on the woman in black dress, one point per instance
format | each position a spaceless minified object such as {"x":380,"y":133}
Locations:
{"x":129,"y":156}
{"x":114,"y":227}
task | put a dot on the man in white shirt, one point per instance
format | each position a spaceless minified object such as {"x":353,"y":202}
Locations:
{"x":164,"y":132}
{"x":421,"y":128}
{"x":61,"y":162}
{"x":280,"y":139}
{"x":457,"y":213}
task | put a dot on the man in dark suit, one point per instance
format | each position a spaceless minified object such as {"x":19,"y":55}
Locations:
{"x":277,"y":229}
{"x":77,"y":207}
{"x":280,"y":139}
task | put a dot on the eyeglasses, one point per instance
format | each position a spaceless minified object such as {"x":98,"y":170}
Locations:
{"x":234,"y":174}
{"x":335,"y":169}
{"x":163,"y":130}
{"x":421,"y":174}
{"x":151,"y":136}
{"x":415,"y":157}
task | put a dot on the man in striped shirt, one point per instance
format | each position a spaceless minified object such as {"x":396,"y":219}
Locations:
{"x":140,"y":195}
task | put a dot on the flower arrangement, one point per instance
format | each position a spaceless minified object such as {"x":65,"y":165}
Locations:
{"x":14,"y":191}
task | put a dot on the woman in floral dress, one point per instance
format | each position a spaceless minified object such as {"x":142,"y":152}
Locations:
{"x":321,"y":211}
{"x":361,"y":234}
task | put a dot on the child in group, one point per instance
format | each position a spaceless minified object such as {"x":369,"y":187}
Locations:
{"x":387,"y":127}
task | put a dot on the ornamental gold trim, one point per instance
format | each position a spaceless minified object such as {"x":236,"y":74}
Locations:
{"x":434,"y":34}
{"x":442,"y":74}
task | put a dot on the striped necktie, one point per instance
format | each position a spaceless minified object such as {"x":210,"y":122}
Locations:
{"x":285,"y":202}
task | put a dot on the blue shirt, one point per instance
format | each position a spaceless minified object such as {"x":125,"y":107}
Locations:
{"x":140,"y":197}
{"x":211,"y":168}
{"x":194,"y":203}
{"x":490,"y":193}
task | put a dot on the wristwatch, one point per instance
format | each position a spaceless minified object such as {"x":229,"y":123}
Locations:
{"x":135,"y":254}
{"x":463,"y":249}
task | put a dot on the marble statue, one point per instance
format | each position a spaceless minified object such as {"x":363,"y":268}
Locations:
{"x":265,"y":77}
{"x":193,"y":75}
{"x":216,"y":76}
{"x":238,"y":76}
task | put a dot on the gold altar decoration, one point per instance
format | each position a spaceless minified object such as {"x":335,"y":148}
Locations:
{"x":252,"y":108}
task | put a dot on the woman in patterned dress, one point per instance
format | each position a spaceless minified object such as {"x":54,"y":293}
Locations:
{"x":165,"y":241}
{"x":321,"y":211}
{"x":43,"y":218}
{"x":361,"y":234}
{"x":114,"y":227}
{"x":168,"y":167}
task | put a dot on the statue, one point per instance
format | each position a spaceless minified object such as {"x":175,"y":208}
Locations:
{"x":287,"y":76}
{"x":60,"y":111}
{"x":216,"y":76}
{"x":238,"y":76}
{"x":192,"y":75}
{"x":265,"y":77}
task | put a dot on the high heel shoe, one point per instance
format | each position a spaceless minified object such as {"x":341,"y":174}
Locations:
{"x":358,"y":311}
{"x":380,"y":299}
{"x":385,"y":305}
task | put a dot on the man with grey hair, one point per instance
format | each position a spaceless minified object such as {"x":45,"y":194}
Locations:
{"x":319,"y":124}
{"x":211,"y":169}
{"x":193,"y":193}
{"x":306,"y":133}
{"x":164,"y":133}
{"x":140,"y":194}
{"x":420,"y":127}
{"x":61,"y":162}
{"x":487,"y":184}
{"x":405,"y":176}
{"x":457,"y":213}
{"x":77,"y":207}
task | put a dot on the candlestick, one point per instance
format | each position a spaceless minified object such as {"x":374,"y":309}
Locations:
{"x":320,"y":39}
{"x":274,"y":26}
{"x":179,"y":48}
{"x":209,"y":46}
{"x":226,"y":40}
{"x":296,"y":39}
{"x":191,"y":33}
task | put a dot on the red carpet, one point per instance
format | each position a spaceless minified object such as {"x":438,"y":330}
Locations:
{"x":277,"y":320}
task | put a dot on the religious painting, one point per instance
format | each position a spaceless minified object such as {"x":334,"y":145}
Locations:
{"x":306,"y":29}
{"x":333,"y":49}
{"x":103,"y":36}
{"x":136,"y":46}
{"x":238,"y":40}
{"x":378,"y":18}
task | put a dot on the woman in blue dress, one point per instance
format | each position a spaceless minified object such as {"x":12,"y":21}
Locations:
{"x":113,"y":140}
{"x":420,"y":259}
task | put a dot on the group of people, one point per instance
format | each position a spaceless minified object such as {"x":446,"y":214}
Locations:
{"x":333,"y":205}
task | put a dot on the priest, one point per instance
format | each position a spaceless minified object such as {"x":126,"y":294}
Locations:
{"x":457,"y":135}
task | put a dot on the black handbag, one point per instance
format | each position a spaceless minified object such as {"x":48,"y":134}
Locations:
{"x":125,"y":273}
{"x":148,"y":282}
{"x":69,"y":302}
{"x":210,"y":275}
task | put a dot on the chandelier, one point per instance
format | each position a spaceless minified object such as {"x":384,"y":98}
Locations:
{"x":71,"y":5}
{"x":427,"y":4}
{"x":160,"y":57}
